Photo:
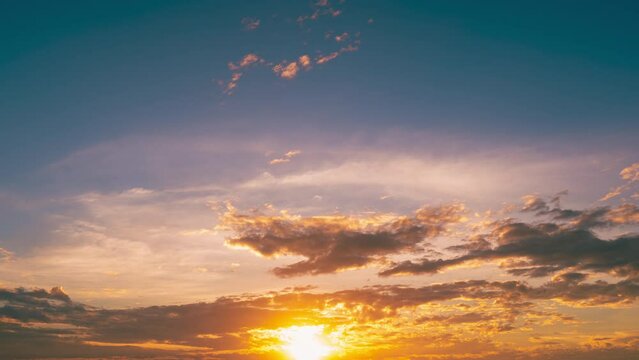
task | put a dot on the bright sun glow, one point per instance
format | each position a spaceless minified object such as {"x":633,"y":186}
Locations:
{"x":305,"y":342}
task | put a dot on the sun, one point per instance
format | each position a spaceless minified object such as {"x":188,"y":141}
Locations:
{"x":305,"y":342}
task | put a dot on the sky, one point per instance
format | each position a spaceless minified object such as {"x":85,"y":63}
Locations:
{"x":320,"y":179}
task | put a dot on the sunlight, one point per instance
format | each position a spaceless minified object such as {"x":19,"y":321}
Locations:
{"x":305,"y":342}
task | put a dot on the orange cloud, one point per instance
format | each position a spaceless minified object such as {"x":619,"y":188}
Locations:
{"x":421,"y":321}
{"x":247,"y":60}
{"x":352,"y":47}
{"x":288,"y":71}
{"x":305,"y":61}
{"x":326,"y":58}
{"x":631,"y":175}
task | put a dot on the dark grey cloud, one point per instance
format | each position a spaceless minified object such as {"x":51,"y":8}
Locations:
{"x":547,"y":249}
{"x":566,"y":242}
{"x":597,"y":217}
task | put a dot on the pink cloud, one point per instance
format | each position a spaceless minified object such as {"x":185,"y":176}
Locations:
{"x":326,"y":58}
{"x":305,"y":61}
{"x":342,"y":37}
{"x":631,"y":175}
{"x":288,"y":71}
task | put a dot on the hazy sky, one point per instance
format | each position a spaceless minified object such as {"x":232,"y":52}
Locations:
{"x":398,"y":179}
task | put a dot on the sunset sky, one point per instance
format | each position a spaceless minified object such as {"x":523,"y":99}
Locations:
{"x":319,"y":180}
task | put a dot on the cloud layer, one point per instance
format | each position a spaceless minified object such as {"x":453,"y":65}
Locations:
{"x":237,"y":327}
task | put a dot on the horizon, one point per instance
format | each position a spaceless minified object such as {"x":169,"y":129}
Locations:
{"x":318,"y":180}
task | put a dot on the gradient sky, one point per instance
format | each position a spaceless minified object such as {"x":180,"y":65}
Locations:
{"x":402,"y":179}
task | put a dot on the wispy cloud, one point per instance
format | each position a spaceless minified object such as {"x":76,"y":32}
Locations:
{"x":250,"y":23}
{"x":320,"y":8}
{"x":238,"y":71}
{"x":5,"y":255}
{"x":631,"y":176}
{"x":286,"y":158}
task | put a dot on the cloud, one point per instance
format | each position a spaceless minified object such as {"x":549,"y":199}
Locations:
{"x":305,"y":62}
{"x":342,"y":37}
{"x":336,"y":242}
{"x":237,"y":72}
{"x":247,"y":60}
{"x":351,"y":47}
{"x":320,"y":8}
{"x":365,"y":318}
{"x":420,"y":176}
{"x":286,"y":71}
{"x":286,"y":158}
{"x":250,"y":24}
{"x":546,"y":248}
{"x":596,"y":217}
{"x":631,"y":175}
{"x":326,"y":58}
{"x":5,"y":255}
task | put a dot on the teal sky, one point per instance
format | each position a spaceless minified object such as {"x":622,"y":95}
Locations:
{"x":449,"y":177}
{"x":75,"y":73}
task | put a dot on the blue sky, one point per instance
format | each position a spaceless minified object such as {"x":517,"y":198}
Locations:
{"x":77,"y":73}
{"x":173,"y":152}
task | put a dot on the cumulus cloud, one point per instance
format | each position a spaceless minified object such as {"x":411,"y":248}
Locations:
{"x":286,"y":68}
{"x":548,"y":247}
{"x":237,"y":69}
{"x":336,"y":242}
{"x":305,"y":62}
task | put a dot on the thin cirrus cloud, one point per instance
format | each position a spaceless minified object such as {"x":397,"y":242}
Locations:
{"x":630,"y":175}
{"x":290,"y":69}
{"x":250,"y":24}
{"x":286,"y":158}
{"x":238,"y":69}
{"x":320,"y":9}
